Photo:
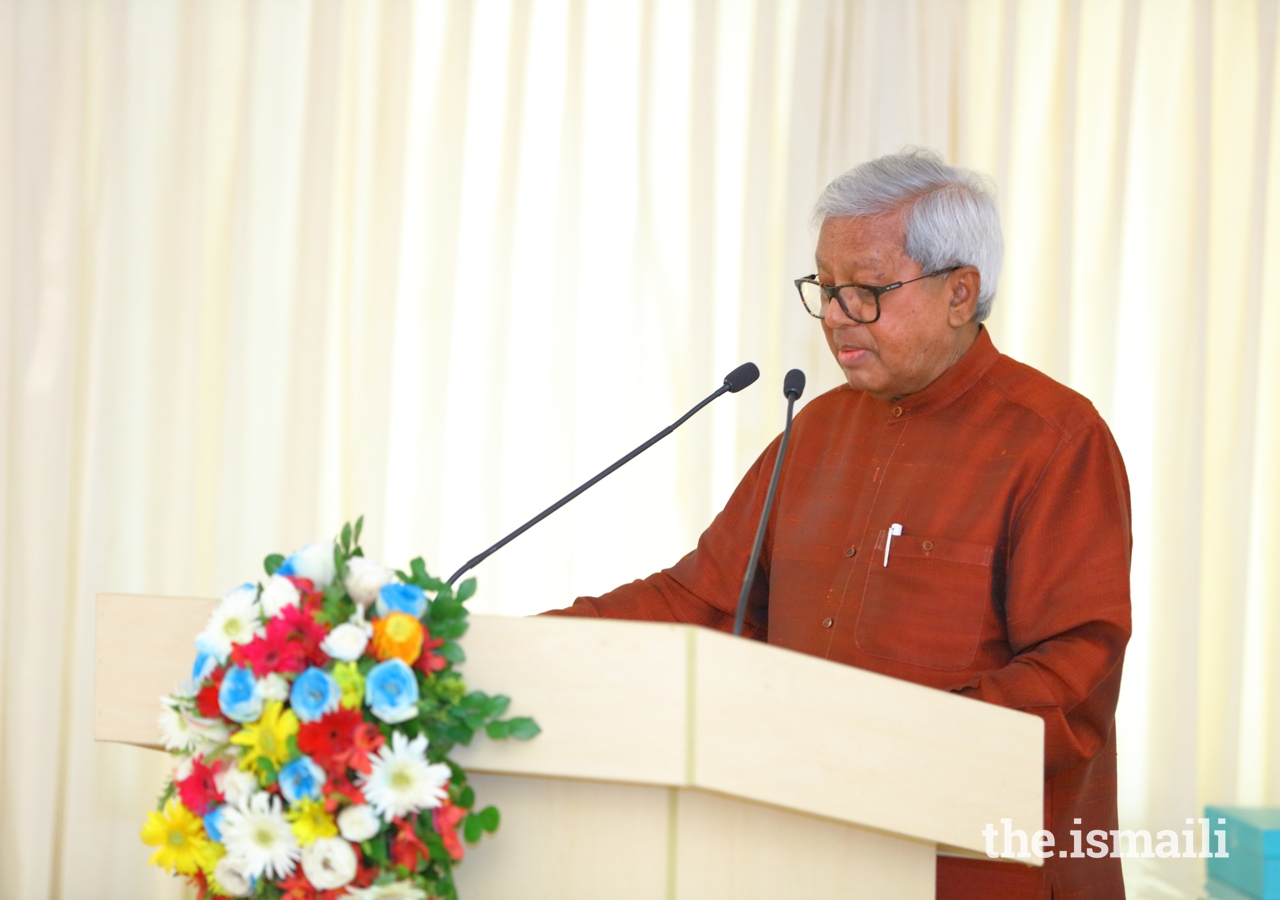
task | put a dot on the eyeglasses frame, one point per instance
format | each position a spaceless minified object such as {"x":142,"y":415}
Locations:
{"x":832,"y":292}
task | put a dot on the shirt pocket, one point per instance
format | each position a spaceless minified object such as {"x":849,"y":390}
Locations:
{"x":927,"y":606}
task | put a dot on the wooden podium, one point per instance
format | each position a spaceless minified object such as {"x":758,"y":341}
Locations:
{"x":676,"y":762}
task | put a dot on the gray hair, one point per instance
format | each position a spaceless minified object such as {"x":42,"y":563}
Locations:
{"x":952,"y":219}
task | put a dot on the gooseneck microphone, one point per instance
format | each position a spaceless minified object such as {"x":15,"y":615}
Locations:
{"x":792,"y":388}
{"x":741,"y":377}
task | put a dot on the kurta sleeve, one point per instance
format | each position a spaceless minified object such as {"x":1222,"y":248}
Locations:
{"x":1067,"y":599}
{"x":702,"y":588}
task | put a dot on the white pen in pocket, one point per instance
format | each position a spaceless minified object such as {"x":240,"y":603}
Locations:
{"x":894,"y":529}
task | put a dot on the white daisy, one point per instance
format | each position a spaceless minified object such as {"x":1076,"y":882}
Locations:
{"x":257,"y":832}
{"x":329,"y":863}
{"x":278,"y":593}
{"x":175,"y":729}
{"x":401,"y":781}
{"x":397,"y":890}
{"x":236,"y":620}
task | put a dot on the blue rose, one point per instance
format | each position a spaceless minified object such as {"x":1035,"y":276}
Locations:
{"x":314,"y":695}
{"x":391,"y":691}
{"x":213,"y":822}
{"x":302,"y":779}
{"x":239,"y":697}
{"x":204,"y":665}
{"x":405,"y":598}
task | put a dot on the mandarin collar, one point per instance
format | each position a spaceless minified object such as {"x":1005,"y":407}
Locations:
{"x":948,"y":386}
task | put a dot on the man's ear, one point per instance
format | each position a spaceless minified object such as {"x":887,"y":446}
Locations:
{"x":965,"y":284}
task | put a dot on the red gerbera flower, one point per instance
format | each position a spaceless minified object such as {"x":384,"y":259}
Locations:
{"x":367,"y":740}
{"x":330,"y":740}
{"x":407,"y":846}
{"x":299,"y":627}
{"x":198,"y":790}
{"x":445,"y":818}
{"x":271,"y":653}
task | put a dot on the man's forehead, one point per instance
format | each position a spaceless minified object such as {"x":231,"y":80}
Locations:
{"x":862,"y":240}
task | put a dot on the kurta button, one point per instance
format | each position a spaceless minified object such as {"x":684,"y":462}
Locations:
{"x":852,"y":551}
{"x":897,"y":411}
{"x":927,"y":545}
{"x":828,"y":622}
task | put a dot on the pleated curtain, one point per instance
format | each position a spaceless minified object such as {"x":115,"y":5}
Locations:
{"x":267,"y":265}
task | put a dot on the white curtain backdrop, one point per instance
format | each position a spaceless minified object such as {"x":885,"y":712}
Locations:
{"x":266,"y":265}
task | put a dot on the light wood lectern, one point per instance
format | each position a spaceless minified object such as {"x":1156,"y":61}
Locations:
{"x":676,"y":762}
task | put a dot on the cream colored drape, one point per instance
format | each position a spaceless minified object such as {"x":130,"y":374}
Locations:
{"x":266,"y":265}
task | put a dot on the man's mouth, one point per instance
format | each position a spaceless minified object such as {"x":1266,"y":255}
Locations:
{"x":850,"y":355}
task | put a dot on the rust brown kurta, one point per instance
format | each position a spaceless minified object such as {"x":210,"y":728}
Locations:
{"x":1009,"y":583}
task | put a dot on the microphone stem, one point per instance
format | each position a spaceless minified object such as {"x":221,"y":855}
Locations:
{"x":740,"y":618}
{"x":479,"y":558}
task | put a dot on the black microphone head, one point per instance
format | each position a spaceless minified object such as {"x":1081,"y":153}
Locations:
{"x":744,"y":376}
{"x":793,"y":384}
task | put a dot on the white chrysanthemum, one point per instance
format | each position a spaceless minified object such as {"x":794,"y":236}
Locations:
{"x":258,"y":833}
{"x":359,"y":823}
{"x":329,"y":863}
{"x":401,"y":781}
{"x":236,"y":784}
{"x":274,"y":686}
{"x":175,"y":728}
{"x":278,"y":593}
{"x":365,"y":578}
{"x":346,"y":642}
{"x":236,"y":620}
{"x":397,"y":890}
{"x":232,"y":877}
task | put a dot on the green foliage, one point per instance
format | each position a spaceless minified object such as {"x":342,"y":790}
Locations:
{"x":272,"y":563}
{"x":169,"y":790}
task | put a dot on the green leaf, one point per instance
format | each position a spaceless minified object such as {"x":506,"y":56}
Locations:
{"x":466,"y":590}
{"x":292,"y":744}
{"x":268,"y":770}
{"x":451,"y":630}
{"x":474,"y":720}
{"x":453,"y":652}
{"x":169,"y":790}
{"x":460,"y":734}
{"x":497,"y":705}
{"x":339,"y":566}
{"x":446,"y":608}
{"x":359,"y":528}
{"x":467,"y":798}
{"x":498,"y":730}
{"x":490,"y":818}
{"x":346,"y":537}
{"x":272,"y":563}
{"x":524,"y":728}
{"x":419,"y":569}
{"x":472,"y":829}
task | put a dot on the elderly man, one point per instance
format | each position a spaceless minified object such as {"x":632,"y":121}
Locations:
{"x":1009,"y":579}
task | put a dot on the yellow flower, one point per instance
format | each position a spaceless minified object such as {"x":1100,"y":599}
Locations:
{"x":348,"y":676}
{"x":310,"y":821}
{"x":267,"y":738}
{"x":181,"y":840}
{"x":397,"y":635}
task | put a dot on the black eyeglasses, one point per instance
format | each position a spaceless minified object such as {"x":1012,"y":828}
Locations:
{"x":860,"y":302}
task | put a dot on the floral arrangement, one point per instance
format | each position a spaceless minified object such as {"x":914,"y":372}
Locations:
{"x":313,"y":737}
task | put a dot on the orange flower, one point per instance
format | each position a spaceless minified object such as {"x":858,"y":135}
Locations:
{"x":397,"y":635}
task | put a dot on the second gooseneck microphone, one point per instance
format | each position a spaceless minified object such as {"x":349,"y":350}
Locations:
{"x":741,"y":377}
{"x":792,"y":388}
